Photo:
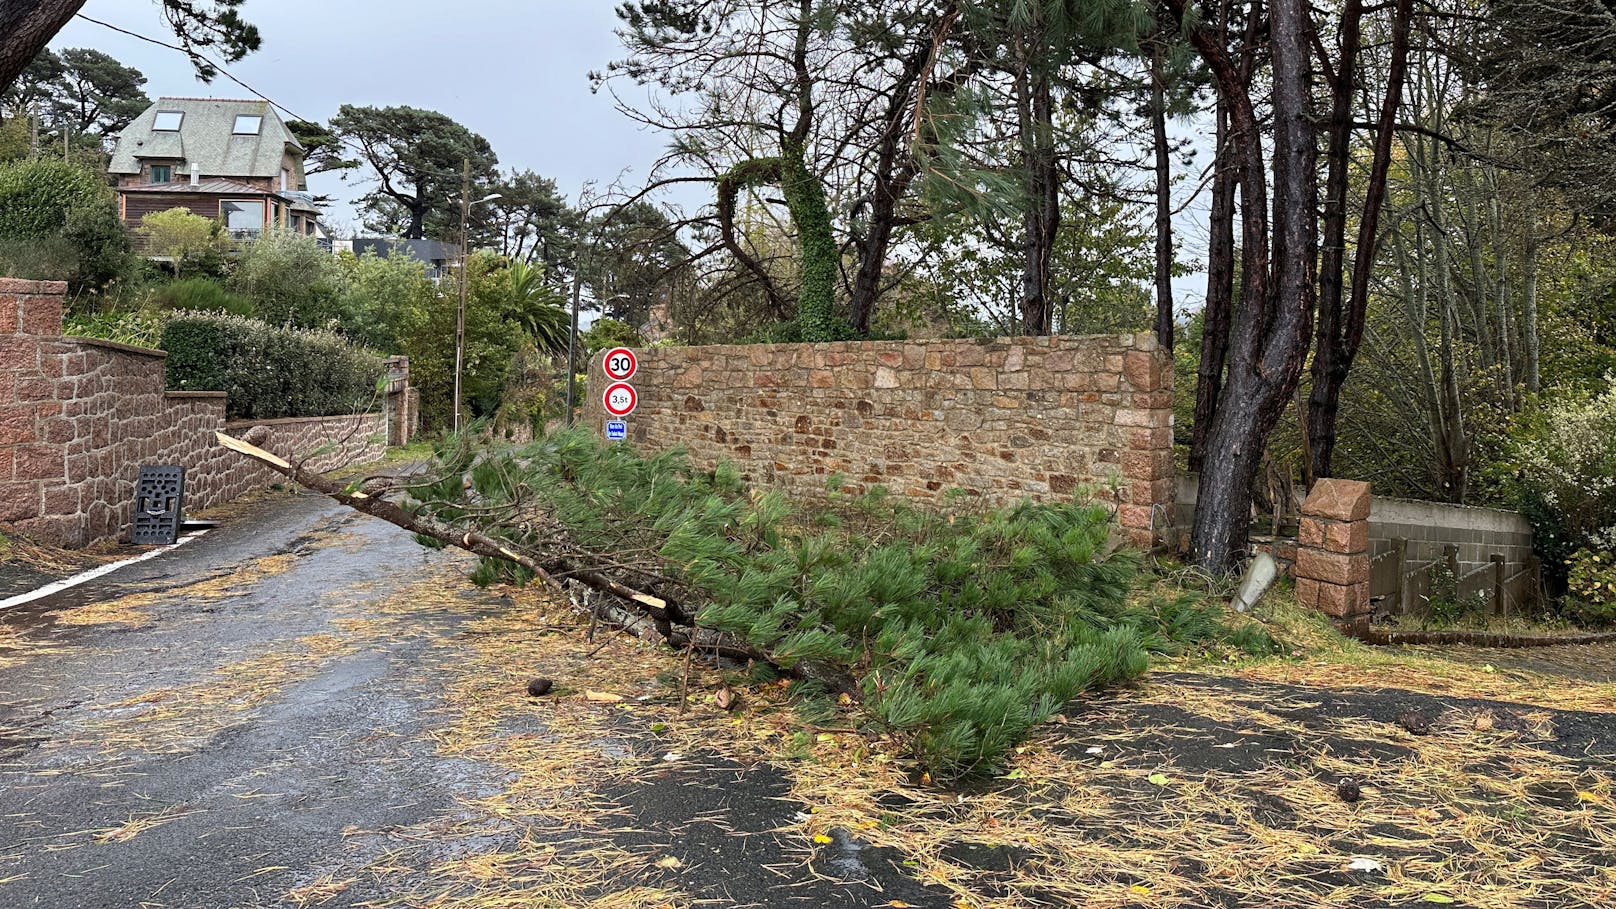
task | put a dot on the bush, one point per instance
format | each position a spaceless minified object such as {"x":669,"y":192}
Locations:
{"x":1565,"y":478}
{"x":198,"y":295}
{"x":290,"y":279}
{"x":191,"y":241}
{"x":269,"y":372}
{"x":60,"y":222}
{"x":140,"y":327}
{"x":1591,"y":586}
{"x":962,"y":632}
{"x":385,"y":298}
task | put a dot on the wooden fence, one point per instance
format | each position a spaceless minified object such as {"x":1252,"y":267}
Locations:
{"x":1401,"y":585}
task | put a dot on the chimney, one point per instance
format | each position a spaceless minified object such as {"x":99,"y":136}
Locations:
{"x":196,"y":174}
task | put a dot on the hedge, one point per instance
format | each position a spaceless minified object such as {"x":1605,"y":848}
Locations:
{"x":269,"y":372}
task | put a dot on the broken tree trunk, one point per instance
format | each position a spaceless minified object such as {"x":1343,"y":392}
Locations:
{"x":672,"y":623}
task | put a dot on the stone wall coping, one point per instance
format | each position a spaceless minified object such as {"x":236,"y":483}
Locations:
{"x":1442,"y":514}
{"x":25,"y":286}
{"x":284,"y":421}
{"x":118,"y":346}
{"x":184,"y":395}
{"x":1388,"y":510}
{"x":1139,"y":341}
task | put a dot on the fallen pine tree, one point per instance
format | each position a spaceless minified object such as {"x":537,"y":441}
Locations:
{"x":959,"y":631}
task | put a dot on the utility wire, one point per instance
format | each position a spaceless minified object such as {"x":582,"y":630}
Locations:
{"x":198,"y":55}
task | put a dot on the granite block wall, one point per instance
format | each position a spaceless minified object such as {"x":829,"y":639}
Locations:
{"x":80,"y":416}
{"x":1039,"y":418}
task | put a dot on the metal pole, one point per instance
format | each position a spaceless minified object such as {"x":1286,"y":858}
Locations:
{"x":460,"y":314}
{"x":572,"y":336}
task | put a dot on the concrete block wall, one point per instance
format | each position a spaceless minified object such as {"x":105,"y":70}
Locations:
{"x":80,"y":416}
{"x":1039,"y":418}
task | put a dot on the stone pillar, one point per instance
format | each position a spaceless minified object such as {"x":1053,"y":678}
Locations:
{"x":399,"y":426}
{"x":1332,"y":552}
{"x":1147,"y":420}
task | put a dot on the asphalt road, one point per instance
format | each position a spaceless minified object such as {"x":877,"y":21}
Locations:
{"x":256,"y":719}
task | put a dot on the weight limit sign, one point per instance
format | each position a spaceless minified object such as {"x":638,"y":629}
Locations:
{"x":620,"y":399}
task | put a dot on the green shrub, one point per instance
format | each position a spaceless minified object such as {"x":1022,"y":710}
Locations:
{"x":269,"y":372}
{"x":198,"y":295}
{"x":59,"y":221}
{"x":1564,"y":478}
{"x":1591,"y":586}
{"x":290,"y":280}
{"x":961,"y":632}
{"x":188,"y":240}
{"x":140,"y":327}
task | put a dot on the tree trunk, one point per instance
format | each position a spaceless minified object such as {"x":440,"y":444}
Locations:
{"x":1164,"y":198}
{"x":1272,"y":330}
{"x":26,"y":27}
{"x":1041,"y":183}
{"x":1529,"y":330}
{"x":1341,"y":329}
{"x":1219,"y":308}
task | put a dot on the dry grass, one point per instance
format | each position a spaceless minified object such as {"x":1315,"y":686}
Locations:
{"x":1209,"y":785}
{"x":1461,"y":814}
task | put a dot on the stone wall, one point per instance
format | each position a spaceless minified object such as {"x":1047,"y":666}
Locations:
{"x":1038,"y":417}
{"x":79,"y":417}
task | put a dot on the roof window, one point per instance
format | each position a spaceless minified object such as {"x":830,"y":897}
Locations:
{"x":168,"y":121}
{"x":247,"y":124}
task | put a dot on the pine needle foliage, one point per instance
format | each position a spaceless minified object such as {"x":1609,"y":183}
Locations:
{"x":963,"y":631}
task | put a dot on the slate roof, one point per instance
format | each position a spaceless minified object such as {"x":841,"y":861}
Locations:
{"x":420,"y":250}
{"x":206,"y":137}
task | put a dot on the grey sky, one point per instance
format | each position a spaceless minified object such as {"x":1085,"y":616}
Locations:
{"x":514,"y":71}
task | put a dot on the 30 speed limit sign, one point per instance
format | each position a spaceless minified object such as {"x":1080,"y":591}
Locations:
{"x":620,"y":399}
{"x":620,"y":364}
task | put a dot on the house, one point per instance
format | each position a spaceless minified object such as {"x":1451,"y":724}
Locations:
{"x":437,"y":256}
{"x":234,"y":161}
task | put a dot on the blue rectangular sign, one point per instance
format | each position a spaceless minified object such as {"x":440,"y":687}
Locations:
{"x":616,"y":430}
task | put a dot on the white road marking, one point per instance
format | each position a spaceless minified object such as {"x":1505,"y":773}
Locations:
{"x":92,"y":574}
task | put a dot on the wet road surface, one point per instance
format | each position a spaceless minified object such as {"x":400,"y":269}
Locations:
{"x":294,"y":711}
{"x":305,"y":708}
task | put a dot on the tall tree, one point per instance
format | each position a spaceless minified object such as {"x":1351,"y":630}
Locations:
{"x":416,"y":156}
{"x":631,"y":261}
{"x":1044,"y":52}
{"x":1343,"y":292}
{"x":202,"y":26}
{"x":96,"y":94}
{"x":323,"y":150}
{"x":531,"y":222}
{"x":1271,"y":328}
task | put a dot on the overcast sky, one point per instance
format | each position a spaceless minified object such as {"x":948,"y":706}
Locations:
{"x":514,"y":71}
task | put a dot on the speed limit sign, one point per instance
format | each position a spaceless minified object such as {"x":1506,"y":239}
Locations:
{"x":620,"y":399}
{"x":620,"y":364}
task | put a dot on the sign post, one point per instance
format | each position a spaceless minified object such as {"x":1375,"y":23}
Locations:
{"x":620,"y":364}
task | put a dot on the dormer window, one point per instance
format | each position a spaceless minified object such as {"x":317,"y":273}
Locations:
{"x":247,"y":124}
{"x":168,"y":121}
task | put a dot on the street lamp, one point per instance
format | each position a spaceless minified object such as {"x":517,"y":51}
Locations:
{"x":460,"y":315}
